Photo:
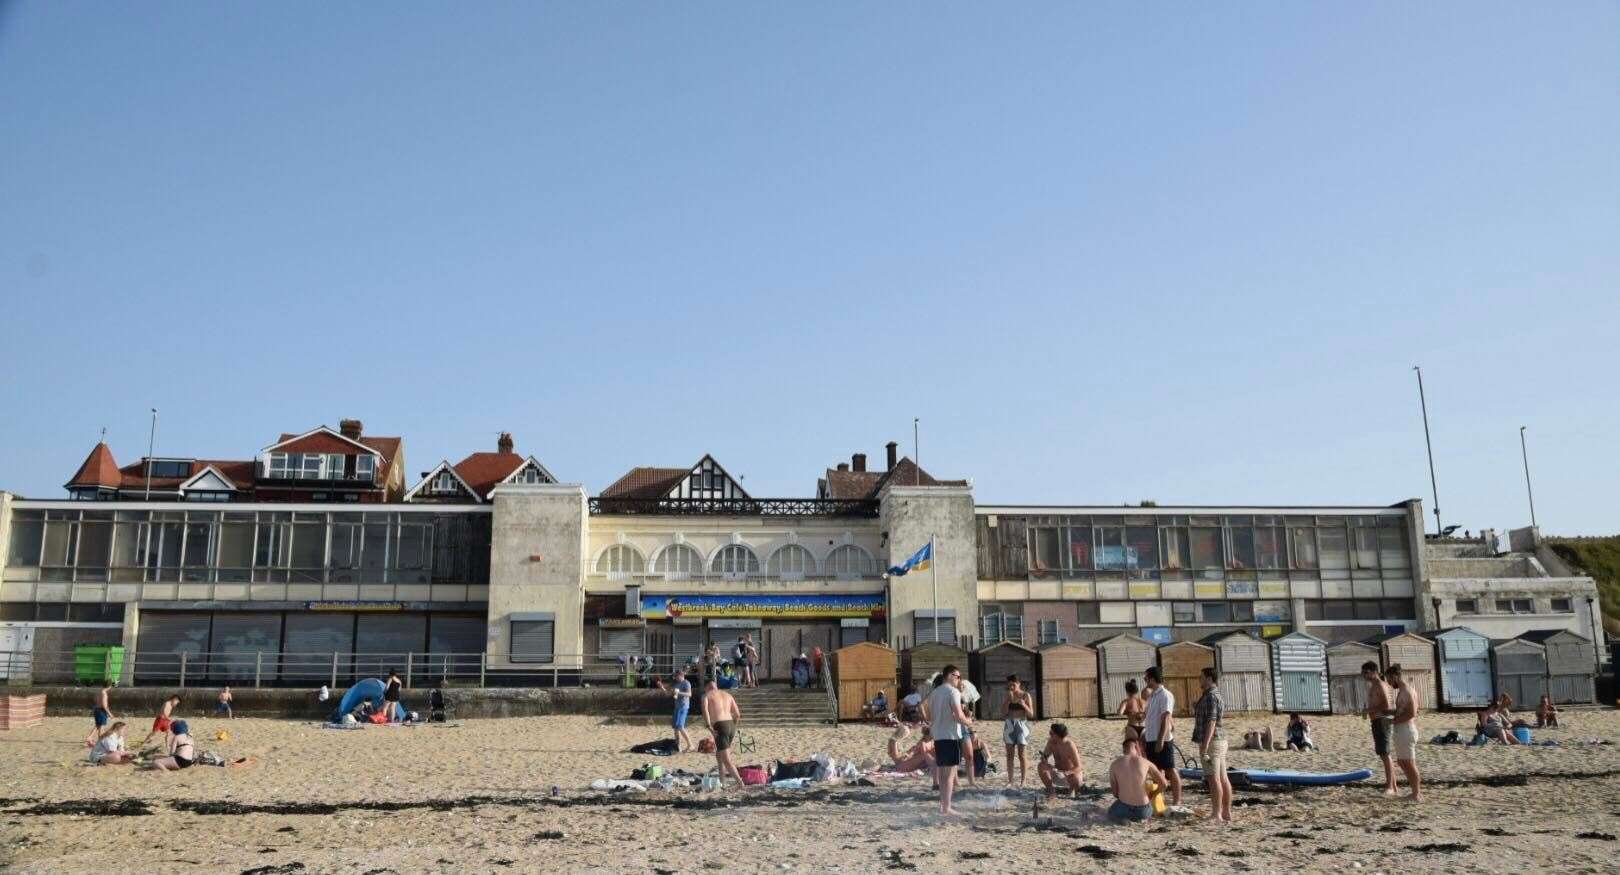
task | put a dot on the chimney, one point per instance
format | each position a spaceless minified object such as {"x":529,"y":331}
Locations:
{"x":504,"y":443}
{"x":894,"y":450}
{"x":350,"y":428}
{"x":858,"y":461}
{"x":843,"y":466}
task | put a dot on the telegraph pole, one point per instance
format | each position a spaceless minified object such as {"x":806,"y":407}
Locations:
{"x":1525,"y":454}
{"x":1427,"y":442}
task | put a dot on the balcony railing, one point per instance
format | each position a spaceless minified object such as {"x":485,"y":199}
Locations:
{"x":772,"y":507}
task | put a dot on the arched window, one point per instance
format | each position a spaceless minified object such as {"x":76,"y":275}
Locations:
{"x":735,"y":560}
{"x":678,"y":561}
{"x":791,"y":562}
{"x":620,"y":559}
{"x":849,"y":562}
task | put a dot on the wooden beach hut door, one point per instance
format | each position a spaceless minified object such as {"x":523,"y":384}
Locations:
{"x":1467,"y":682}
{"x":1301,"y":691}
{"x":1348,"y":694}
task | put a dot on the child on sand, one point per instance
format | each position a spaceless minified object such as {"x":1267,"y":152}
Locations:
{"x":1546,"y":712}
{"x":223,"y":706}
{"x":1299,"y":734}
{"x":108,"y":748}
{"x":164,"y":718}
{"x":100,"y":715}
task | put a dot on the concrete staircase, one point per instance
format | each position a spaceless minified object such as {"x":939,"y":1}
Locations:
{"x":782,"y":705}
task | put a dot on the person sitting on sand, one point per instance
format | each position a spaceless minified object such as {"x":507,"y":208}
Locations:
{"x":1128,"y":777}
{"x":1299,"y":734}
{"x":109,"y":747}
{"x":1495,"y":727}
{"x":920,"y":757}
{"x":911,"y":707}
{"x":160,"y":725}
{"x":182,"y":752}
{"x":1132,"y":708}
{"x":1061,"y":757}
{"x":1546,"y":712}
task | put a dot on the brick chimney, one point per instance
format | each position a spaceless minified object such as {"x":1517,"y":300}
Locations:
{"x":504,"y":442}
{"x":843,"y":466}
{"x":858,"y":462}
{"x":894,"y":451}
{"x":350,"y":428}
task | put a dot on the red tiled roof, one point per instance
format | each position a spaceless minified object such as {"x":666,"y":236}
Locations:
{"x":322,"y":442}
{"x":867,"y":484}
{"x":646,"y":482}
{"x":240,"y":473}
{"x":98,"y":469}
{"x":484,"y":471}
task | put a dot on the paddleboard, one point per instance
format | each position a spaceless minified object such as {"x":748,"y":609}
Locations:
{"x":1288,"y":776}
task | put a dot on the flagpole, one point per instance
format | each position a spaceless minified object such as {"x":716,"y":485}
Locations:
{"x":933,"y":575}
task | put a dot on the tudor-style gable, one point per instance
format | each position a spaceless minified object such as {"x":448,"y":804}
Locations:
{"x":704,"y":480}
{"x":443,"y":484}
{"x":707,"y":479}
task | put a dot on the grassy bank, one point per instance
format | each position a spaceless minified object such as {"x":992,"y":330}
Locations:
{"x":1600,"y":559}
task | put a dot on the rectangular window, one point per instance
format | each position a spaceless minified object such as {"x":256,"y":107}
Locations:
{"x":1338,"y":609}
{"x":364,"y":468}
{"x":1177,"y":554}
{"x":1243,"y":612}
{"x":168,"y":468}
{"x":1467,"y":606}
{"x":1270,"y":547}
{"x":1242,"y":555}
{"x":1110,"y":548}
{"x":334,"y":466}
{"x":1142,"y":546}
{"x":27,"y":529}
{"x":1369,"y":610}
{"x":311,"y":469}
{"x":1562,"y":606}
{"x":1366,"y":548}
{"x":1087,"y":614}
{"x":1397,"y":609}
{"x":1184,"y":612}
{"x":1303,"y":541}
{"x":1049,"y":632}
{"x":1214,"y":612}
{"x":1079,"y":548}
{"x":926,"y":630}
{"x":532,"y":640}
{"x":1335,"y":547}
{"x":1515,"y":606}
{"x":1392,"y":548}
{"x":1045,"y":549}
{"x":281,"y":466}
{"x":1206,"y":548}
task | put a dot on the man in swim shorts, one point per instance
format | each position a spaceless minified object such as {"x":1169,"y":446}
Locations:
{"x":1128,"y":777}
{"x":1403,"y":738}
{"x":164,"y":719}
{"x":1064,"y":756}
{"x":100,"y":714}
{"x":1381,"y":716}
{"x":720,"y":711}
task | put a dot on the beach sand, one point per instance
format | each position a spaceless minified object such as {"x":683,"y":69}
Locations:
{"x":406,"y":800}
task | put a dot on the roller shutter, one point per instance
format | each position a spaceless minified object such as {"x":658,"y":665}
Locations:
{"x":532,"y":640}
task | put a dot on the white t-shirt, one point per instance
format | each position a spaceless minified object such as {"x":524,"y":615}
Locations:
{"x":913,"y":700}
{"x":1159,"y":703}
{"x":942,"y":704}
{"x":105,"y":745}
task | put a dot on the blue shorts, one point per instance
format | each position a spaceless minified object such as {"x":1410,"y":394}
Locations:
{"x":679,"y":721}
{"x":1130,"y":813}
{"x":101,"y":717}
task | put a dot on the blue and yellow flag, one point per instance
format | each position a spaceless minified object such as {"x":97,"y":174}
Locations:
{"x":919,"y":561}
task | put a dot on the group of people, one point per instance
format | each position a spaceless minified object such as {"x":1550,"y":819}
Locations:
{"x":107,"y":744}
{"x":1496,"y":723}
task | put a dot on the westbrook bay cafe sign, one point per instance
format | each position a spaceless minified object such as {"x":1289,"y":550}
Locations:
{"x":764,"y":607}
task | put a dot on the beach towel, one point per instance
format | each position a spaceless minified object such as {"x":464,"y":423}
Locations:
{"x":789,"y":771}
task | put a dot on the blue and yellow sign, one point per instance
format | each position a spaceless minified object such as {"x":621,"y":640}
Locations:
{"x":744,"y":605}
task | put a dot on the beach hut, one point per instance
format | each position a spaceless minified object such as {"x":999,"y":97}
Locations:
{"x":1415,"y":655}
{"x":1520,"y":667}
{"x":918,"y":664}
{"x":1245,"y":665}
{"x":1068,"y":687}
{"x":1181,"y":663}
{"x":1465,"y":667}
{"x":1570,"y":676}
{"x":989,"y":668}
{"x":1299,"y":675}
{"x":1122,"y":658}
{"x":862,"y":671}
{"x":1347,"y":691}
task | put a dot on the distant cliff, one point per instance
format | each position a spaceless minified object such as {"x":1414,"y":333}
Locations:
{"x":1598,"y":558}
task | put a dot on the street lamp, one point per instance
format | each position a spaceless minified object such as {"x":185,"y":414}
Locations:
{"x":1433,"y":484}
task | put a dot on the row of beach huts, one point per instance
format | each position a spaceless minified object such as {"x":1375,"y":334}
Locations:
{"x":1452,"y":668}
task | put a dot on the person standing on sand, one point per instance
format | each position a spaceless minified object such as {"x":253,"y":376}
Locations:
{"x":1159,"y":730}
{"x":1128,"y":777}
{"x":720,"y":711}
{"x":100,"y":715}
{"x":1132,"y":708}
{"x":1381,"y":715}
{"x":1404,"y":736}
{"x":947,"y":718}
{"x":225,"y":706}
{"x":1018,"y":710}
{"x":1209,"y":712}
{"x":164,"y":718}
{"x":681,"y":690}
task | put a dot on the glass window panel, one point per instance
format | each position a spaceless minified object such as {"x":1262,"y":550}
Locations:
{"x":791,"y":562}
{"x":199,"y":545}
{"x":235,"y":544}
{"x":374,"y":548}
{"x":1079,"y":548}
{"x":345,"y":540}
{"x":1142,"y":546}
{"x":1243,"y":612}
{"x":1184,"y":612}
{"x":170,"y":537}
{"x":1110,"y":548}
{"x":1392,"y":548}
{"x":1206,"y":548}
{"x":850,"y":561}
{"x":26,"y":535}
{"x":271,"y":549}
{"x":363,"y":469}
{"x":1368,"y":610}
{"x":1087,"y":613}
{"x":1214,"y":612}
{"x":736,"y":559}
{"x":1397,"y":609}
{"x":95,"y":543}
{"x":60,"y":536}
{"x":1366,"y":541}
{"x":1338,"y":609}
{"x":1242,"y":548}
{"x":1335,"y":547}
{"x":679,"y":559}
{"x":1270,"y":550}
{"x":1045,"y":549}
{"x":1177,"y":553}
{"x":1304,"y":547}
{"x":308,"y":546}
{"x":415,"y":540}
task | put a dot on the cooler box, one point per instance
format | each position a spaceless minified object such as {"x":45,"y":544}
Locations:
{"x":98,"y":663}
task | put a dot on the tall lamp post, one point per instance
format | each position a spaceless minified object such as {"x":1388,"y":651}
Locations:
{"x":1433,"y":484}
{"x":1530,"y":493}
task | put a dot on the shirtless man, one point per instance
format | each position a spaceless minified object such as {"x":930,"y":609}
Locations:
{"x":1404,"y":737}
{"x":101,"y":714}
{"x":1381,"y":713}
{"x":1128,"y":778}
{"x":164,"y":719}
{"x":921,"y":755}
{"x":1065,"y":761}
{"x":720,"y":711}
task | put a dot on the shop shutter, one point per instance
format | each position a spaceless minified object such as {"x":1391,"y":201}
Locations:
{"x":924,"y":630}
{"x":311,"y":639}
{"x":531,"y":640}
{"x":620,"y":642}
{"x":687,"y":644}
{"x":164,"y":635}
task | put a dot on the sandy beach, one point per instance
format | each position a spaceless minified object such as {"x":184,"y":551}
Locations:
{"x":478,"y":797}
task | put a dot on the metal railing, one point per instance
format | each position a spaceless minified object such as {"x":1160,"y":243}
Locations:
{"x":774,"y":507}
{"x":271,"y":668}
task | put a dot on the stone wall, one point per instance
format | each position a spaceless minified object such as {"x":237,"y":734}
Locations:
{"x":137,"y":706}
{"x":537,"y":565}
{"x":910,"y":515}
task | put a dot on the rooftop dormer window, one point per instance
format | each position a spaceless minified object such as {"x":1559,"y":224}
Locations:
{"x":168,"y":468}
{"x":365,"y":468}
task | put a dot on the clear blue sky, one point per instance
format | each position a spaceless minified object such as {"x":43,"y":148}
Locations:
{"x":1106,"y":253}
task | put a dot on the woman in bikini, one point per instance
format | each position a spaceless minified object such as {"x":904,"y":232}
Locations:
{"x":1133,"y":709}
{"x":182,"y":750}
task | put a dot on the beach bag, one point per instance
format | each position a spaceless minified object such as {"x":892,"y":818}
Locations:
{"x":647,"y":772}
{"x":378,"y":718}
{"x":663,"y":747}
{"x":789,"y":771}
{"x":753,"y":775}
{"x":706,"y":745}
